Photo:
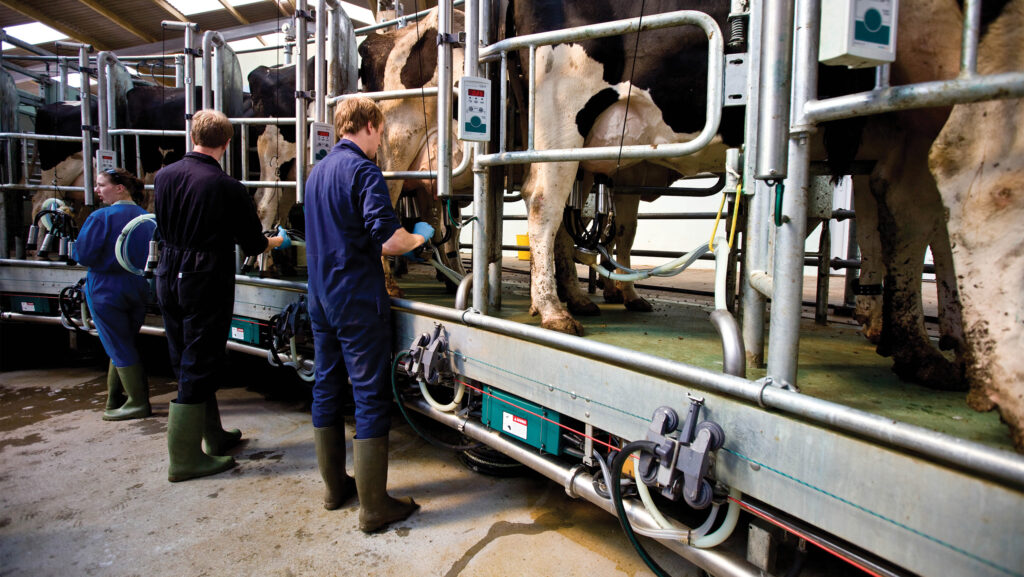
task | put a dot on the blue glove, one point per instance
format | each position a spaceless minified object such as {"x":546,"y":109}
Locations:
{"x":281,"y":232}
{"x":423,"y":229}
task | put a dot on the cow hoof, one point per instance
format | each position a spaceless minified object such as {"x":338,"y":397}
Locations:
{"x":585,"y":308}
{"x":934,"y":372}
{"x":614,"y":297}
{"x":639,"y":305}
{"x":567,"y":325}
{"x":395,"y":292}
{"x":979,"y":400}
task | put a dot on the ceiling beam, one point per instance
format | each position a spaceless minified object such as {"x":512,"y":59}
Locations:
{"x":170,"y":9}
{"x":227,"y":6}
{"x":34,"y":13}
{"x":113,"y":17}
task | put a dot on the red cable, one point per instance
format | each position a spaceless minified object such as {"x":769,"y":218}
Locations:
{"x":804,"y":536}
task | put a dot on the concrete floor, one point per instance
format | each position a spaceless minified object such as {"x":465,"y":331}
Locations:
{"x":80,"y":496}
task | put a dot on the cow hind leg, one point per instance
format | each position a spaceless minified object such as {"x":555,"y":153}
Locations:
{"x":868,"y":305}
{"x":569,"y":291}
{"x":909,"y":211}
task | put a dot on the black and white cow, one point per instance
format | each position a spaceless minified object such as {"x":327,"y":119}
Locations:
{"x":403,"y":59}
{"x":581,"y":99}
{"x":61,"y":162}
{"x":272,"y":90}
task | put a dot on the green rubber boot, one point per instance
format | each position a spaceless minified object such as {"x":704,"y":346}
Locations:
{"x":330,"y":455}
{"x":185,"y":444}
{"x":115,"y":394}
{"x":137,"y":406}
{"x":218,"y":440}
{"x":377,"y":509}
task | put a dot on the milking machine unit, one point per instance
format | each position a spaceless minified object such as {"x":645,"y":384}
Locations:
{"x":59,"y":231}
{"x":601,"y":230}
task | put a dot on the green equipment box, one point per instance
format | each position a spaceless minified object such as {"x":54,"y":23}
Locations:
{"x":523,"y":420}
{"x":31,"y":305}
{"x":246,"y":331}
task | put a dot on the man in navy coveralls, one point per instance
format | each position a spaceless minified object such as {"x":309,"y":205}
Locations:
{"x":350,"y":223}
{"x":201,"y":213}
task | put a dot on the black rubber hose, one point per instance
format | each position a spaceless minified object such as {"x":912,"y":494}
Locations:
{"x":620,"y":510}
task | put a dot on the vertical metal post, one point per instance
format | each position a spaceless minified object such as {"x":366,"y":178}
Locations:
{"x":64,"y":90}
{"x":186,"y":66}
{"x":444,"y":97}
{"x":189,"y":82}
{"x":213,"y":80}
{"x":531,"y":98}
{"x":301,"y":92}
{"x":103,"y":97}
{"x":320,"y":74}
{"x":138,"y":157}
{"x":179,"y":70}
{"x":756,"y":239}
{"x":852,"y":253}
{"x":503,"y":95}
{"x":784,"y":331}
{"x":88,"y":178}
{"x":245,"y":151}
{"x":773,"y":123}
{"x":824,"y":255}
{"x":481,"y":288}
{"x":972,"y":29}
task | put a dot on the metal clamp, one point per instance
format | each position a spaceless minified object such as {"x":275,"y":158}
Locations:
{"x":427,"y":357}
{"x":680,"y":463}
{"x":457,"y":39}
{"x":304,"y":94}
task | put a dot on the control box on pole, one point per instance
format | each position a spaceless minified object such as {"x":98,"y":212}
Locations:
{"x":858,"y":33}
{"x":105,"y":160}
{"x":474,"y":109}
{"x":321,"y":140}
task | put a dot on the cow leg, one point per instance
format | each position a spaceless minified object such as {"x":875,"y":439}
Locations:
{"x":951,"y":326}
{"x":978,"y":162}
{"x":868,"y":302}
{"x":545,"y":204}
{"x":569,"y":289}
{"x":626,"y":209}
{"x":909,"y":211}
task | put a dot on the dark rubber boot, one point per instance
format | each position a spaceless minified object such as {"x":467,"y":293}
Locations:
{"x":377,"y":509}
{"x":137,"y":406}
{"x":330,"y":455}
{"x":115,"y":394}
{"x":185,"y":444}
{"x":218,"y":440}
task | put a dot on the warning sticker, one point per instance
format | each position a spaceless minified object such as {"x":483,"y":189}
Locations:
{"x":28,"y":307}
{"x":238,"y":333}
{"x":513,"y":425}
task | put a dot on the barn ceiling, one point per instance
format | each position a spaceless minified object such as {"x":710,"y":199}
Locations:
{"x":133,"y":26}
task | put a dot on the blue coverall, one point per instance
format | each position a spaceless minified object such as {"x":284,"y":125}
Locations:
{"x":201,"y":213}
{"x":116,"y":297}
{"x":348,"y":218}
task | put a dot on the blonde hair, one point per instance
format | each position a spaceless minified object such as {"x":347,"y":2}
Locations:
{"x":211,"y":128}
{"x":353,"y":114}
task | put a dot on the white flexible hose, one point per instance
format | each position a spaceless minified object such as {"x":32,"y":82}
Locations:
{"x":721,"y":272}
{"x":119,"y":245}
{"x":672,"y":531}
{"x":459,"y":391}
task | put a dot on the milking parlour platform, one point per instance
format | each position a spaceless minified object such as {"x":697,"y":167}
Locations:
{"x":894,"y":478}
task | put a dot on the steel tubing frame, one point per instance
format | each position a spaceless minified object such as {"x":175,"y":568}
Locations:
{"x":618,"y":27}
{"x":188,"y":72}
{"x":939,"y":447}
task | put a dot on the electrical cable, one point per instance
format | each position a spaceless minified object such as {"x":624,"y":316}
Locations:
{"x":620,"y":510}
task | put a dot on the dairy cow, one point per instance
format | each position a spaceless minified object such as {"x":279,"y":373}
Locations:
{"x":61,"y":162}
{"x":978,"y":163}
{"x":398,"y":60}
{"x":581,"y":97}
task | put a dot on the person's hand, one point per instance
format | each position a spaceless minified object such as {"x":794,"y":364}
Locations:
{"x":423,"y":229}
{"x":286,"y":240}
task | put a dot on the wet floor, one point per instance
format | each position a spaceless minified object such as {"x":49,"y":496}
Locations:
{"x":80,"y":496}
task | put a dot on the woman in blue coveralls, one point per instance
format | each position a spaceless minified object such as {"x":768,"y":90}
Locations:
{"x":349,"y":223}
{"x":116,"y":297}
